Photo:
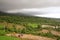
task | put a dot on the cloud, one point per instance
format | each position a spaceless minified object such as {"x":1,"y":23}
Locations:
{"x":33,"y":7}
{"x":51,"y":15}
{"x":51,"y":12}
{"x":21,"y":4}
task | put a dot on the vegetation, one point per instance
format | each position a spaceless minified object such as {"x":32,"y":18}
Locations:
{"x":26,"y":25}
{"x":8,"y":38}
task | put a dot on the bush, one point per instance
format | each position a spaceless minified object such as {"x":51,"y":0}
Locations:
{"x":2,"y":32}
{"x":58,"y":29}
{"x":1,"y":27}
{"x":50,"y":35}
{"x":58,"y":38}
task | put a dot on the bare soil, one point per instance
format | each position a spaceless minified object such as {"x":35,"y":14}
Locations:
{"x":30,"y":37}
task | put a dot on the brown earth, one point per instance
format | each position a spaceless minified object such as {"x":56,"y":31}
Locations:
{"x":29,"y":37}
{"x":55,"y":33}
{"x":52,"y":31}
{"x":44,"y":31}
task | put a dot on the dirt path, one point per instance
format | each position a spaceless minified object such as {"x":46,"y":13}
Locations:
{"x":52,"y":31}
{"x":55,"y":33}
{"x":32,"y":37}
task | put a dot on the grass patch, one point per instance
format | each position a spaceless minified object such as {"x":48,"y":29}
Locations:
{"x":8,"y":38}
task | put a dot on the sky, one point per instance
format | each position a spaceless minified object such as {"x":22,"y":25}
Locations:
{"x":41,"y":8}
{"x":51,"y":12}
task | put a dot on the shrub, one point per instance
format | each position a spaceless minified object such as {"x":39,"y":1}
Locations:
{"x":1,"y":27}
{"x":2,"y":32}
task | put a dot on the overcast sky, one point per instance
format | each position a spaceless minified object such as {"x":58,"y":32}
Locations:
{"x":31,"y":5}
{"x":19,"y":4}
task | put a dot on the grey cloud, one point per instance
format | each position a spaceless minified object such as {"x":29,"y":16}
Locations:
{"x":20,"y":4}
{"x":33,"y":13}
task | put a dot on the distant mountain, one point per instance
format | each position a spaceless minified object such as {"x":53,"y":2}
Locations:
{"x":16,"y":14}
{"x":22,"y":14}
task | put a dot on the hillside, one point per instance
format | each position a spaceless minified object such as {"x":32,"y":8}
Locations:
{"x":15,"y":18}
{"x":35,"y":27}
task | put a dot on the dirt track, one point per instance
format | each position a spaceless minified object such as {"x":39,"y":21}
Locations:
{"x":32,"y":37}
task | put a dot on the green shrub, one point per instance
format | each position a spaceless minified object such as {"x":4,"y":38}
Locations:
{"x":58,"y":38}
{"x":2,"y":32}
{"x":1,"y":27}
{"x":58,"y":29}
{"x":50,"y":35}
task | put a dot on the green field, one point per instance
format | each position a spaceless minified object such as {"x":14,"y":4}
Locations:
{"x":8,"y":38}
